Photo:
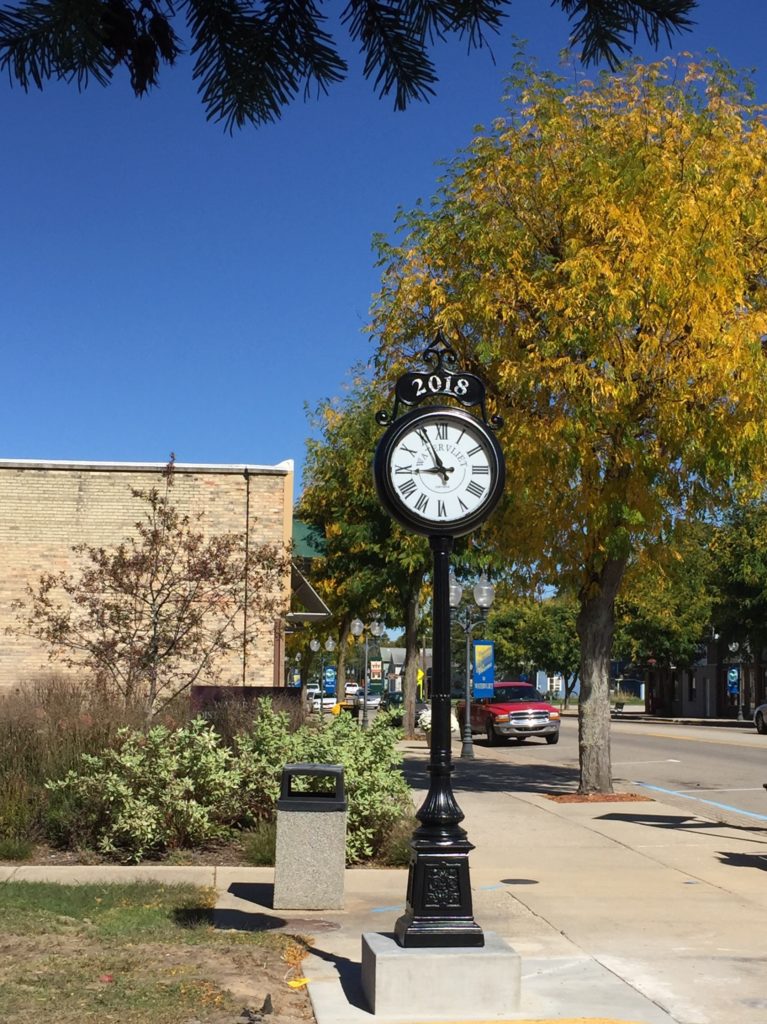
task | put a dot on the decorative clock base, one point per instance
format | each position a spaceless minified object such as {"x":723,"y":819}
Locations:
{"x":439,"y":908}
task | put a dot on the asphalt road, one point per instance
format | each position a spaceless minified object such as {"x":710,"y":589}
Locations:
{"x":704,"y":770}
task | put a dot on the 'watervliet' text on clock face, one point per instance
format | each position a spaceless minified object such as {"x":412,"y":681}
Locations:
{"x":441,"y":469}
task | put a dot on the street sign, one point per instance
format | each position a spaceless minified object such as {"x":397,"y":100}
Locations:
{"x":733,"y":681}
{"x":376,"y":670}
{"x":329,"y":679}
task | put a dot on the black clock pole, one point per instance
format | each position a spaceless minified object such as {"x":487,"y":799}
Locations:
{"x":439,"y":906}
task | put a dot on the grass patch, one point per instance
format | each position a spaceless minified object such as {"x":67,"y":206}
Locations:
{"x":131,"y":911}
{"x":13,"y":848}
{"x":141,"y":953}
{"x":260,"y":844}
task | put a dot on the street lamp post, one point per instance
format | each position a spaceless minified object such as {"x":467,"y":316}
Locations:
{"x":375,"y":628}
{"x":330,"y":645}
{"x":484,"y":595}
{"x":314,"y":646}
{"x":734,"y":647}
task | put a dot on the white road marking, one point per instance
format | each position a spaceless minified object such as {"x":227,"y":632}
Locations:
{"x":665,"y":760}
{"x":715,"y":789}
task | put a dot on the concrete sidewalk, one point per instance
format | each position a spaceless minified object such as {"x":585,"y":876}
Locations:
{"x":621,"y":911}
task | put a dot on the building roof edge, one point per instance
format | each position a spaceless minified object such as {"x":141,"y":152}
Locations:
{"x":281,"y":469}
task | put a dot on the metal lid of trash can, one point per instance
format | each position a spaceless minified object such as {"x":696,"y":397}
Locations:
{"x":302,"y":801}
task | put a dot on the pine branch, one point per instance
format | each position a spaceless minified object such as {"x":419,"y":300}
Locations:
{"x":393,"y":51}
{"x":243,"y":72}
{"x":252,"y":58}
{"x":40,"y":40}
{"x":603,"y":25}
{"x":299,"y":24}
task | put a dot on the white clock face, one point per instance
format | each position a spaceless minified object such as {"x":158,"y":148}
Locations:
{"x":441,"y":469}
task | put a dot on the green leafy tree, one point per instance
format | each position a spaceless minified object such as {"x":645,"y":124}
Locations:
{"x":252,"y":59}
{"x":162,"y":609}
{"x":542,"y":634}
{"x":373,"y":567}
{"x":738,"y":576}
{"x":600,"y":257}
{"x":664,"y":610}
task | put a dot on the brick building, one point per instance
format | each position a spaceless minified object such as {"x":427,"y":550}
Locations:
{"x":47,"y":507}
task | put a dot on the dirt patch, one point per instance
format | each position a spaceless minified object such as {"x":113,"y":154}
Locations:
{"x":92,"y":981}
{"x":597,"y":798}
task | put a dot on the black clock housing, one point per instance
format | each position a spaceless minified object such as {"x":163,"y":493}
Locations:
{"x":439,"y":471}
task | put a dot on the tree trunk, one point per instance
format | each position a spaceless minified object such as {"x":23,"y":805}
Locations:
{"x":595,"y":625}
{"x":410,"y":672}
{"x":343,"y":640}
{"x":569,"y":682}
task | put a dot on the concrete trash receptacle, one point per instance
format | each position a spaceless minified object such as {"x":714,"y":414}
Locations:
{"x":310,"y":856}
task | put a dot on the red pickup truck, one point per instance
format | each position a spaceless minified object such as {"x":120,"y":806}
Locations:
{"x":515,"y":711}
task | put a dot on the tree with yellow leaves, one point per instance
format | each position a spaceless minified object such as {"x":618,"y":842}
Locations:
{"x":600,"y":257}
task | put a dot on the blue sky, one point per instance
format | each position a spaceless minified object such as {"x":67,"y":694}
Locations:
{"x":165,"y":286}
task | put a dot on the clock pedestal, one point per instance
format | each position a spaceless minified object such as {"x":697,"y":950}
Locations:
{"x":439,"y":906}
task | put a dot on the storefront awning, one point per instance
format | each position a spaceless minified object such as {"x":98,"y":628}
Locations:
{"x":309,"y":606}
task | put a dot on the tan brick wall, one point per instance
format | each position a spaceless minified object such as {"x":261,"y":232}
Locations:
{"x":47,"y":507}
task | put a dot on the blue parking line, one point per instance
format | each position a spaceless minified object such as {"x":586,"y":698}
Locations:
{"x":383,"y":910}
{"x":700,"y":800}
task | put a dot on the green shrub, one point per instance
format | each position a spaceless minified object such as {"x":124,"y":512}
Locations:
{"x":152,"y":792}
{"x":165,"y":789}
{"x":376,"y":791}
{"x":261,"y":752}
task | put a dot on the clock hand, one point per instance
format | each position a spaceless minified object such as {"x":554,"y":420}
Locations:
{"x":440,"y":468}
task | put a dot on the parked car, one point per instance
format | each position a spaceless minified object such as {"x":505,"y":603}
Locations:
{"x":351,"y":689}
{"x":760,"y":719}
{"x":325,"y":703}
{"x":515,"y":711}
{"x":373,"y":698}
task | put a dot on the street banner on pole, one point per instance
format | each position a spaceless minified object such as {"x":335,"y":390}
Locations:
{"x":483,"y":667}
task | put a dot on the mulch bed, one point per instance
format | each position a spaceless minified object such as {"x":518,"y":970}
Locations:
{"x":597,"y":798}
{"x":223,"y":855}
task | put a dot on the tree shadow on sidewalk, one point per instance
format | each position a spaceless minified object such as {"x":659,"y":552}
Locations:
{"x":687,"y":823}
{"x":480,"y":776}
{"x":743,"y":860}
